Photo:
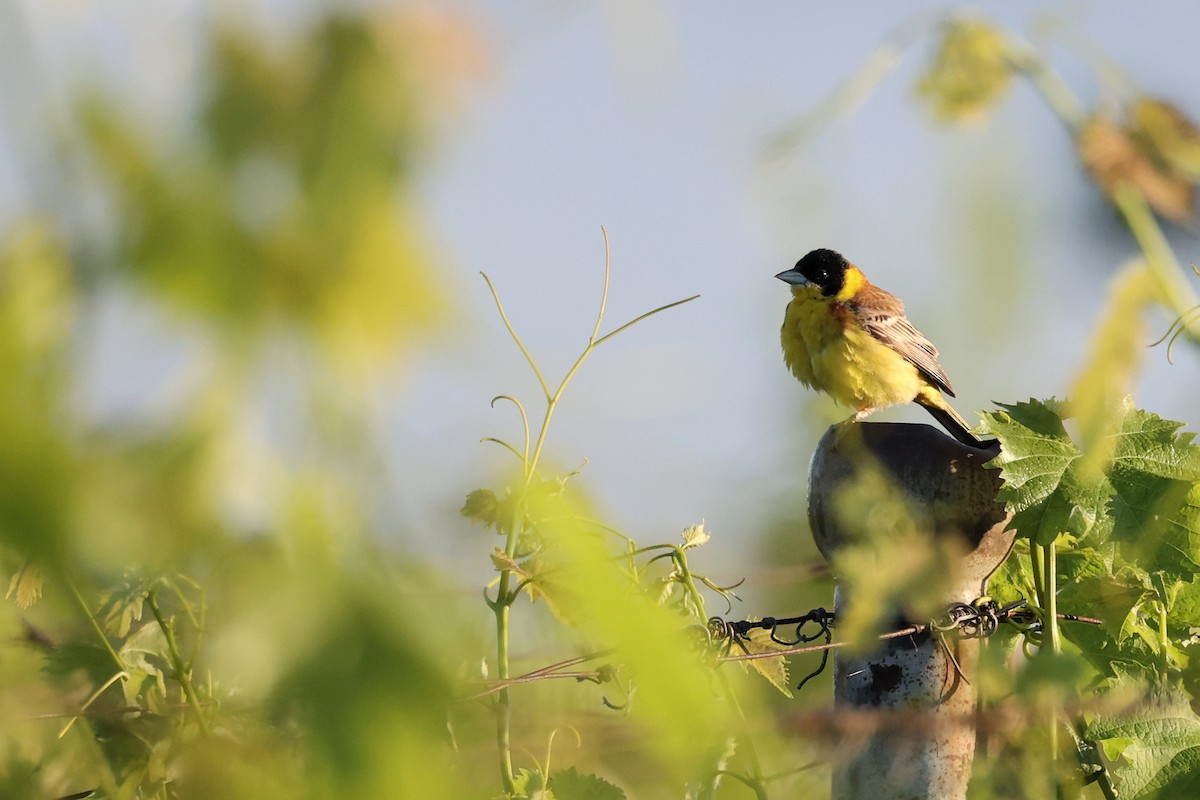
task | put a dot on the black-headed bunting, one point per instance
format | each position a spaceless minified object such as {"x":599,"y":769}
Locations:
{"x":844,"y":336}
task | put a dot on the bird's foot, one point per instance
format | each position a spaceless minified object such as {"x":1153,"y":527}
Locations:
{"x":860,"y":415}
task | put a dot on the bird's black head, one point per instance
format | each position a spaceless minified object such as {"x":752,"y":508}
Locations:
{"x":823,"y":268}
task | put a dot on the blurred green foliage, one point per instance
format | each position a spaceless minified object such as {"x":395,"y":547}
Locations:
{"x":38,"y":464}
{"x":969,"y":72}
{"x":163,"y":644}
{"x":157,"y":644}
{"x":289,"y":209}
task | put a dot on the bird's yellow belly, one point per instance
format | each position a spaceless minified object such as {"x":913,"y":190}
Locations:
{"x":844,"y":360}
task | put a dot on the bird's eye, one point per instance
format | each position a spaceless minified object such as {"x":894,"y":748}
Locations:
{"x":820,"y":275}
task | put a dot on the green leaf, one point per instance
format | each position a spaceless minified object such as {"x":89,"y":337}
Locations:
{"x":568,"y":784}
{"x":1063,"y":675}
{"x":1044,"y":521}
{"x":531,"y":785}
{"x":1155,"y":749}
{"x":334,"y":249}
{"x":1042,"y":482}
{"x":1147,"y":497}
{"x":1185,"y":608}
{"x":482,"y":506}
{"x":121,"y":605}
{"x":1084,"y":563}
{"x":1139,"y":623}
{"x":1152,"y":445}
{"x":542,"y":581}
{"x":25,"y":587}
{"x":1114,"y":747}
{"x":1036,"y":452}
{"x":695,"y":536}
{"x":1012,"y":580}
{"x":1117,"y":644}
{"x":1157,"y":521}
{"x":144,"y":656}
{"x":501,"y":561}
{"x":1155,"y":506}
{"x":774,"y":670}
{"x":79,"y":655}
{"x":1043,"y":416}
{"x":146,"y":649}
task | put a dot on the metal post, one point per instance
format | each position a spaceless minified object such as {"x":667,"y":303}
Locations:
{"x":922,"y":740}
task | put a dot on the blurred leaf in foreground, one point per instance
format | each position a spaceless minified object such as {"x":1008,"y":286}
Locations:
{"x":37,"y":468}
{"x":1168,"y":136}
{"x":890,"y":558}
{"x":969,"y":73}
{"x":1115,"y":355}
{"x":289,"y":207}
{"x":1111,"y":155}
{"x":372,"y":701}
{"x":675,"y":700}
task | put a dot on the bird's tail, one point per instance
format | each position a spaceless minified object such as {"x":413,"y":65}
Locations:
{"x":933,"y":402}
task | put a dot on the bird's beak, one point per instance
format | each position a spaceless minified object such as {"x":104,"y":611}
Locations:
{"x":793,"y":277}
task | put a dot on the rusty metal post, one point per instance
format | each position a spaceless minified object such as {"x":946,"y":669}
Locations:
{"x":926,"y":749}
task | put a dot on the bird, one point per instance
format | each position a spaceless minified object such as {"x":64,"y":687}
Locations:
{"x":846,"y":337}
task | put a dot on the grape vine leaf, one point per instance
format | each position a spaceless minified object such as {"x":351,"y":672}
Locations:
{"x":1038,"y":462}
{"x":1147,"y":496}
{"x":1185,"y":610}
{"x":566,"y":784}
{"x":1155,"y":501}
{"x":1153,"y":445}
{"x":775,"y":670}
{"x":1153,"y":751}
{"x":1036,"y":453}
{"x":484,"y":507}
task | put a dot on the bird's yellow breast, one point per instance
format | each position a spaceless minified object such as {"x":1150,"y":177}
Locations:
{"x":826,"y":347}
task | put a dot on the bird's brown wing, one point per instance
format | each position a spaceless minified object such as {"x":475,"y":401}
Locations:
{"x":882,"y":314}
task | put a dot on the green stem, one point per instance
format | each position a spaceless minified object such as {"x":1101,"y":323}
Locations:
{"x":182,"y":673}
{"x":1164,"y":641}
{"x":636,"y":320}
{"x":503,"y":705}
{"x":87,"y":612}
{"x":1053,"y":89}
{"x":501,"y":607}
{"x":504,"y":597}
{"x":1050,"y":621}
{"x":759,"y":789}
{"x":1050,"y":595}
{"x":756,"y":769}
{"x":1035,"y":563}
{"x":506,"y":593}
{"x":196,"y":621}
{"x":689,"y":584}
{"x":1175,"y":290}
{"x":513,"y":333}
